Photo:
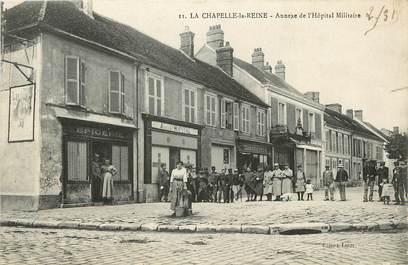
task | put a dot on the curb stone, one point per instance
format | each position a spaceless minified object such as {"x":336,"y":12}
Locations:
{"x":360,"y":227}
{"x":340,"y":227}
{"x":206,"y":229}
{"x":168,"y":228}
{"x":255,"y":229}
{"x":228,"y":229}
{"x":46,"y":224}
{"x":187,"y":228}
{"x":319,"y":227}
{"x":22,"y":222}
{"x":90,"y":226}
{"x":387,"y":226}
{"x":373,"y":226}
{"x":109,"y":227}
{"x":69,"y":225}
{"x":149,"y":227}
{"x":130,"y":227}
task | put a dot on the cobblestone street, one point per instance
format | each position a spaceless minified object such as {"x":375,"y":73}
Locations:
{"x":255,"y":213}
{"x":44,"y":246}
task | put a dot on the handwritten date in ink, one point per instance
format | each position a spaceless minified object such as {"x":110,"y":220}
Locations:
{"x":382,"y":15}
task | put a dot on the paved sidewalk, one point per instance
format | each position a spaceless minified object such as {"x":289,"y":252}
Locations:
{"x":236,"y":216}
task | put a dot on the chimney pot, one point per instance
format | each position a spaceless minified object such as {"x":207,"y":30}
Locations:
{"x":258,"y":58}
{"x":349,"y":113}
{"x":335,"y":107}
{"x":358,"y":114}
{"x":395,"y":130}
{"x":313,"y":95}
{"x":225,"y":58}
{"x":187,"y":42}
{"x":85,"y":6}
{"x":280,"y":70}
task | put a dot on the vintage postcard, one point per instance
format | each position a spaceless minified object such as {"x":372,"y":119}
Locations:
{"x":204,"y":132}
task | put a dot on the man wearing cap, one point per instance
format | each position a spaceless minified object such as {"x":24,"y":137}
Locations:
{"x":300,"y":182}
{"x":341,"y":179}
{"x":221,"y":186}
{"x":236,"y":188}
{"x":212,"y":184}
{"x":202,"y":194}
{"x":268,"y":183}
{"x":164,"y":181}
{"x":277,"y":175}
{"x":96,"y":179}
{"x":399,"y":181}
{"x":382,"y":173}
{"x":328,"y":184}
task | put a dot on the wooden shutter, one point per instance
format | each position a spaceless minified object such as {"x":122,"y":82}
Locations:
{"x":223,"y":113}
{"x":114,"y":95}
{"x":72,"y":80}
{"x":82,"y":81}
{"x":236,"y":116}
{"x":77,"y":161}
{"x":122,"y":94}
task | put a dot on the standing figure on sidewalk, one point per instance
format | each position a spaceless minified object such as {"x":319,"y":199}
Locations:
{"x":300,"y":182}
{"x":369,"y":174}
{"x":108,"y":171}
{"x":328,"y":184}
{"x":202,"y":194}
{"x":192,"y":183}
{"x":96,"y":178}
{"x":164,"y":183}
{"x":249,"y":187}
{"x":258,"y":183}
{"x":341,"y":179}
{"x":213,"y":184}
{"x":387,"y":191}
{"x":221,"y":186}
{"x":236,"y":188}
{"x":399,"y":181}
{"x":277,"y":182}
{"x":309,"y":190}
{"x":268,"y":183}
{"x":382,"y":173}
{"x":287,"y":180}
{"x":178,"y":182}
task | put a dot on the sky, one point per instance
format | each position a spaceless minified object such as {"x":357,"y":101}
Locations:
{"x":331,"y":55}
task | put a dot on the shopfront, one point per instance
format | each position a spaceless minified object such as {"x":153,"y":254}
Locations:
{"x":166,"y":142}
{"x":88,"y":142}
{"x":252,"y":154}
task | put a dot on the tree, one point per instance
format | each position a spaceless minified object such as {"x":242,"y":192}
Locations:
{"x":397,"y":147}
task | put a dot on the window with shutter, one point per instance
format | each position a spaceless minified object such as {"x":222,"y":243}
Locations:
{"x":72,"y":93}
{"x":154,"y":95}
{"x":120,"y":159}
{"x":189,"y":103}
{"x":236,"y":116}
{"x":77,"y":161}
{"x":210,"y":109}
{"x":260,"y":116}
{"x":82,"y":99}
{"x":223,"y":113}
{"x":245,"y":118}
{"x":116,"y":92}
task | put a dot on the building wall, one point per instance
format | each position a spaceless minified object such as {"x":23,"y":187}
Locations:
{"x":98,"y":65}
{"x":20,"y":170}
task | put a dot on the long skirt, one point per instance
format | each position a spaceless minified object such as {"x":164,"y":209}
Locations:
{"x":107,"y":188}
{"x":277,"y":187}
{"x":175,"y":196}
{"x":287,"y":186}
{"x":268,"y":188}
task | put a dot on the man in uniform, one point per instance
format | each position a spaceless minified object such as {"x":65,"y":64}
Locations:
{"x":164,"y":181}
{"x":382,"y":173}
{"x":328,"y":184}
{"x":221,"y":186}
{"x":277,"y":176}
{"x":399,"y":181}
{"x":212,"y":184}
{"x":236,"y":188}
{"x":227,"y":186}
{"x":341,"y":179}
{"x":96,"y":178}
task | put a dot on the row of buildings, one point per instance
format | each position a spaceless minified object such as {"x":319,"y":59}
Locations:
{"x":78,"y":84}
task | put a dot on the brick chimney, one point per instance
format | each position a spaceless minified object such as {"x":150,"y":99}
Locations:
{"x":395,"y":130}
{"x":225,"y":58}
{"x":215,"y":37}
{"x":187,"y":42}
{"x":349,"y":113}
{"x":258,"y":58}
{"x":85,"y":6}
{"x":358,"y":114}
{"x":313,"y":95}
{"x":336,"y":107}
{"x":280,"y":70}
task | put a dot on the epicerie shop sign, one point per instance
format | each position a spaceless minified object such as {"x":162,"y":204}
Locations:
{"x":100,"y":132}
{"x":174,"y":128}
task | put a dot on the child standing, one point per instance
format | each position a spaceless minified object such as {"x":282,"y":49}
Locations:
{"x":309,"y":190}
{"x":387,"y":191}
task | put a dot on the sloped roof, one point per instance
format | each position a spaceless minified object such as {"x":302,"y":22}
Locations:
{"x":378,"y":131}
{"x":335,"y":119}
{"x":265,"y":77}
{"x":65,"y":16}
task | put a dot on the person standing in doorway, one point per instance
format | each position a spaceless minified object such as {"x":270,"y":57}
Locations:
{"x":328,"y":184}
{"x":382,"y":173}
{"x":108,"y":171}
{"x":178,"y":182}
{"x":267,"y":183}
{"x":164,"y":183}
{"x":277,"y":182}
{"x":96,"y":178}
{"x":341,"y":179}
{"x":300,"y":183}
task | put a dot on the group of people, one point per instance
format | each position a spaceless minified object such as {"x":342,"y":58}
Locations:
{"x":102,"y":179}
{"x":378,"y":178}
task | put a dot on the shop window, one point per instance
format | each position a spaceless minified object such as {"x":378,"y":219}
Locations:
{"x":77,"y":155}
{"x":155,"y":101}
{"x":189,"y":105}
{"x":245,"y":122}
{"x":74,"y":81}
{"x":260,"y":125}
{"x":226,"y":114}
{"x":236,"y":116}
{"x":299,"y":117}
{"x":282,"y":114}
{"x":120,"y":159}
{"x":116,"y":92}
{"x":210,"y":102}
